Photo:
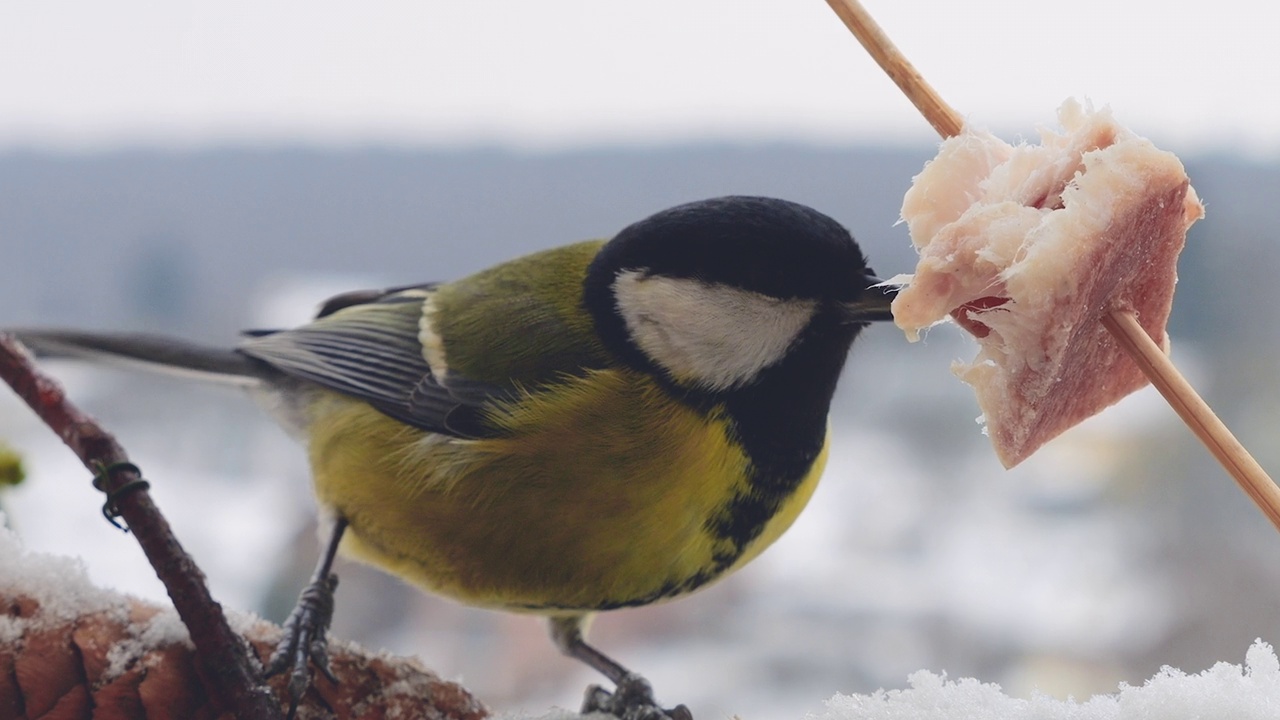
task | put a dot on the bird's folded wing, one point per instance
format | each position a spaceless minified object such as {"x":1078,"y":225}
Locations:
{"x":369,"y":348}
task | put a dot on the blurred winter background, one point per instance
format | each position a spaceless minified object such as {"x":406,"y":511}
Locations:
{"x":196,"y":170}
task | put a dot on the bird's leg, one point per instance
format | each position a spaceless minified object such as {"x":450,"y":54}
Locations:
{"x":305,"y":642}
{"x":632,"y":698}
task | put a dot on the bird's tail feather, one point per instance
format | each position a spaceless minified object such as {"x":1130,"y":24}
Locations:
{"x":151,"y":352}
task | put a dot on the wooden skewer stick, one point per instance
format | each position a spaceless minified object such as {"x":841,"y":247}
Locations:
{"x":940,"y":115}
{"x":1122,"y":325}
{"x":1195,"y":412}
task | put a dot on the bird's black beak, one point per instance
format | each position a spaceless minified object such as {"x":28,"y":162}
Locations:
{"x":873,"y":305}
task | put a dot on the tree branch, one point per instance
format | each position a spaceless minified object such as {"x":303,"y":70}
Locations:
{"x":222,"y":655}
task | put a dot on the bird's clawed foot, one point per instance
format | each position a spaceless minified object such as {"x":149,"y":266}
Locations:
{"x":631,"y":700}
{"x":305,"y":640}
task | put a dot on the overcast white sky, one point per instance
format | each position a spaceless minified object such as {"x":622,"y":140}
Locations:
{"x":559,"y":73}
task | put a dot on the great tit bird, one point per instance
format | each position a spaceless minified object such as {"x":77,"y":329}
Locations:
{"x":597,"y":426}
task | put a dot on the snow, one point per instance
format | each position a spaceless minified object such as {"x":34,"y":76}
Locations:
{"x":1240,"y":692}
{"x":61,"y":591}
{"x":58,"y":585}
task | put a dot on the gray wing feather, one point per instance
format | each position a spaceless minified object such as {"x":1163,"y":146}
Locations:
{"x":370,"y":350}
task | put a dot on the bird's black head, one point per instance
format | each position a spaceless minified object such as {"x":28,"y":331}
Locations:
{"x":715,"y":295}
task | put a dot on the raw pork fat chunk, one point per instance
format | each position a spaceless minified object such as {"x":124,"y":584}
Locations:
{"x":1027,"y":247}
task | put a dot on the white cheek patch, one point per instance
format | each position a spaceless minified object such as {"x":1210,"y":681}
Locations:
{"x":713,"y":335}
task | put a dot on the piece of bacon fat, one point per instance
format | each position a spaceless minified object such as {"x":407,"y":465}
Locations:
{"x":1027,"y":247}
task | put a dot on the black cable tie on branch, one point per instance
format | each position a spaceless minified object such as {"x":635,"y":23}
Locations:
{"x":101,"y":481}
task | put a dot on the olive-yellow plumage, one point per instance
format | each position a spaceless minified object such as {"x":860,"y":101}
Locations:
{"x":540,"y":296}
{"x":549,"y":517}
{"x":595,"y":426}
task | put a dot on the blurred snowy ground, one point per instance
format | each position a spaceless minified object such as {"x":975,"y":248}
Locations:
{"x":1094,"y":563}
{"x":1240,"y":691}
